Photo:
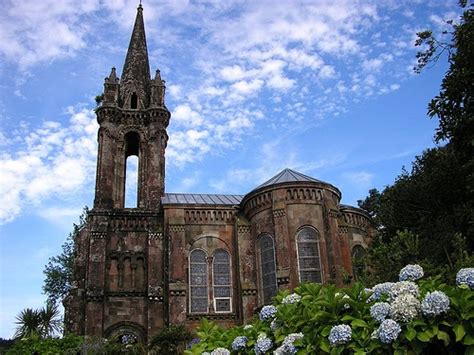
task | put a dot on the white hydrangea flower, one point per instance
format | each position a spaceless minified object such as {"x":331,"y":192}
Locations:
{"x":404,"y":308}
{"x":220,"y":351}
{"x":290,"y":299}
{"x":403,"y":287}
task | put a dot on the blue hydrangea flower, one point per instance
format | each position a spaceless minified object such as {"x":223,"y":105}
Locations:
{"x":263,"y":344}
{"x":220,"y":351}
{"x":388,"y":331}
{"x":192,"y":342}
{"x":340,"y":334}
{"x":403,"y":287}
{"x":239,"y":343}
{"x":411,"y":272}
{"x":290,"y":299}
{"x":434,"y":304}
{"x":465,"y":277}
{"x":379,"y":290}
{"x":291,"y":338}
{"x":267,"y":312}
{"x":379,"y":311}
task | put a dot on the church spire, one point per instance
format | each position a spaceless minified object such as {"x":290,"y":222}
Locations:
{"x":135,"y":81}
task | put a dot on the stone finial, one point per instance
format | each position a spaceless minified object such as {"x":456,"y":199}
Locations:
{"x":112,"y":79}
{"x":158,"y":76}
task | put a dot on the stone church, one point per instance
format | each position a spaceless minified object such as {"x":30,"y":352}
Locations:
{"x":177,"y":258}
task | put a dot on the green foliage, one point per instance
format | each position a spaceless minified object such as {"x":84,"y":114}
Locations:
{"x":99,"y":99}
{"x":323,"y":306}
{"x":169,"y":340}
{"x":59,"y":270}
{"x":454,"y":105}
{"x":45,"y":346}
{"x":429,"y":202}
{"x":38,"y":323}
{"x":73,"y":345}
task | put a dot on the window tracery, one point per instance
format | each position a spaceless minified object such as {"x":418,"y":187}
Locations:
{"x":309,"y":261}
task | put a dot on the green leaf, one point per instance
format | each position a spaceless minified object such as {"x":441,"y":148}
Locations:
{"x":423,"y":337}
{"x":325,"y":346}
{"x":359,"y":323}
{"x":410,"y":334}
{"x":459,"y":331}
{"x":444,"y":337}
{"x":469,"y":340}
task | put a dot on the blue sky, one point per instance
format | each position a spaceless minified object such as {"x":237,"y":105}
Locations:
{"x":323,"y":87}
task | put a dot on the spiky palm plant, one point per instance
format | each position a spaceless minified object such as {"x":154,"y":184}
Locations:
{"x":29,"y":322}
{"x":41,"y":323}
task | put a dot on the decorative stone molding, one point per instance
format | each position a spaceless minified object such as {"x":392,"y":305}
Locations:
{"x":98,"y":235}
{"x":244,"y":229}
{"x":178,"y":289}
{"x":155,"y":235}
{"x":333,"y":213}
{"x":126,"y":294}
{"x":343,"y":230}
{"x":249,"y":292}
{"x":177,"y":228}
{"x":94,"y":295}
{"x":208,"y":215}
{"x":155,"y":293}
{"x":283,"y":280}
{"x":279,"y":213}
{"x":211,"y":316}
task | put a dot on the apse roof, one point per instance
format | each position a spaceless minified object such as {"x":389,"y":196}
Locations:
{"x":287,"y":175}
{"x":200,"y":199}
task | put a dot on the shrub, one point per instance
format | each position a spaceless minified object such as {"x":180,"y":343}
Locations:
{"x":411,"y":316}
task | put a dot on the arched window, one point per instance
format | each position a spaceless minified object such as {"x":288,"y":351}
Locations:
{"x":358,"y":261}
{"x":132,"y":150}
{"x":134,"y":101}
{"x":222,"y":283}
{"x":198,"y":281}
{"x":309,"y":263}
{"x":267,"y":267}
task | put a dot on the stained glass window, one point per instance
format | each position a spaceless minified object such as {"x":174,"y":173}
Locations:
{"x":309,"y":262}
{"x":222,"y":282}
{"x":198,"y":281}
{"x":267,"y":267}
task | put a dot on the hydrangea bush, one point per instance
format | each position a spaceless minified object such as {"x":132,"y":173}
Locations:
{"x":414,"y":315}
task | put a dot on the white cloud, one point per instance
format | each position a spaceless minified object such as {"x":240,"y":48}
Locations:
{"x":361,"y":180}
{"x":186,"y":117}
{"x":327,"y":72}
{"x":55,"y":160}
{"x":247,"y":87}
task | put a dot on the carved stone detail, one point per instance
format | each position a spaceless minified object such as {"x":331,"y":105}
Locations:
{"x":244,"y":229}
{"x":249,"y":292}
{"x":98,"y":235}
{"x":279,"y":213}
{"x":177,"y":227}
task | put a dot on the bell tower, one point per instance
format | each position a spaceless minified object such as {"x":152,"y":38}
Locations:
{"x":133,"y":119}
{"x":119,"y":269}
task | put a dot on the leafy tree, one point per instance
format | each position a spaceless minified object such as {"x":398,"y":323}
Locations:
{"x":454,"y":106}
{"x":59,"y":270}
{"x":435,"y":200}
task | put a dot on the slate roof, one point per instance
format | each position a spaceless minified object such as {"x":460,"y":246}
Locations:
{"x":287,"y":175}
{"x":201,"y":199}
